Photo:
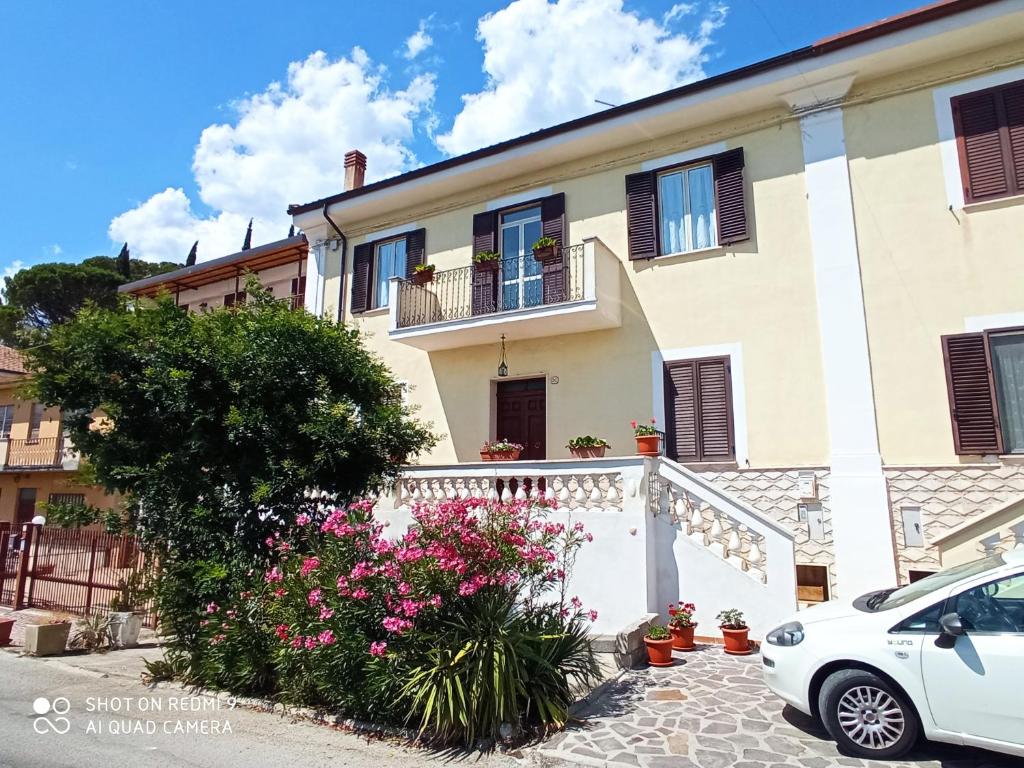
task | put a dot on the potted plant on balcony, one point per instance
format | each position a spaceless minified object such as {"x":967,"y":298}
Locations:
{"x":47,"y":639}
{"x":423,"y":273}
{"x":648,"y":441}
{"x":500,"y":450}
{"x":659,"y":646}
{"x":587,"y":447}
{"x":682,"y":625}
{"x":734,"y":630}
{"x":487,"y":261}
{"x":545,"y":250}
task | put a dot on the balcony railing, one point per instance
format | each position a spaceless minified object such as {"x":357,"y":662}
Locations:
{"x":519,"y":282}
{"x":37,"y":453}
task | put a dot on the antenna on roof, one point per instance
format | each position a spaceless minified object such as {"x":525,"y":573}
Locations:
{"x":605,"y":103}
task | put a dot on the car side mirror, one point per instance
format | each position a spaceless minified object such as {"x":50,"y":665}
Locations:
{"x":951,"y":625}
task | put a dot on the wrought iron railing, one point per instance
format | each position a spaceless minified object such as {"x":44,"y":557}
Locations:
{"x":519,"y":282}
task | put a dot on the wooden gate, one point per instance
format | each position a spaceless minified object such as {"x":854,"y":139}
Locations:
{"x":72,"y":570}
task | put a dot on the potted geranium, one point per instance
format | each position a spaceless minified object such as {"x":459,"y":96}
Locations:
{"x":587,"y":447}
{"x":486,"y":261}
{"x":682,"y":625}
{"x":500,"y":450}
{"x":659,"y":646}
{"x":647,"y":438}
{"x":423,"y":273}
{"x":734,"y":629}
{"x":47,"y":639}
{"x":546,"y":249}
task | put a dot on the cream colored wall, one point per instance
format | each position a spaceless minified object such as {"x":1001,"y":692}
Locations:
{"x":45,"y":483}
{"x":49,"y":426}
{"x":924,"y":268}
{"x":759,"y":294}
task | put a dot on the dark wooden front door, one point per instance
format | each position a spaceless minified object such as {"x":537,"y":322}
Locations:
{"x":26,"y":506}
{"x":521,"y":416}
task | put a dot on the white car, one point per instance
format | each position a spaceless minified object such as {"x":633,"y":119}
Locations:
{"x":942,"y":657}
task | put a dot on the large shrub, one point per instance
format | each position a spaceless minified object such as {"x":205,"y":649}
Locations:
{"x":461,"y":624}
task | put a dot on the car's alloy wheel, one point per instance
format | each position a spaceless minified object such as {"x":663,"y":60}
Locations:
{"x":870,"y":717}
{"x":866,"y":715}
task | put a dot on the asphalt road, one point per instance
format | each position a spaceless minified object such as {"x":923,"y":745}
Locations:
{"x":116,"y":721}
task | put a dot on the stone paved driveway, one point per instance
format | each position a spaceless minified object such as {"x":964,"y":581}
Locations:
{"x":713,"y":711}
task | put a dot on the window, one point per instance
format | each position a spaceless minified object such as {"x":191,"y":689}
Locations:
{"x":35,"y":422}
{"x":985,"y":378}
{"x":698,"y":410}
{"x":812,"y":583}
{"x":521,"y":276}
{"x":994,"y":607}
{"x":926,"y":621}
{"x":69,"y":499}
{"x":234,"y":298}
{"x":989,"y":129}
{"x":298,"y":293}
{"x":389,"y":263}
{"x":686,"y":209}
{"x":6,"y":419}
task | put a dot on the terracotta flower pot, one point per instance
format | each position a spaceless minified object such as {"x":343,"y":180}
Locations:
{"x":659,"y":652}
{"x":6,"y":625}
{"x":596,"y":452}
{"x":486,"y":456}
{"x":547,"y":254}
{"x":682,"y":637}
{"x":736,"y":643}
{"x":487,"y":266}
{"x":505,"y":455}
{"x":423,"y":277}
{"x":648,"y":445}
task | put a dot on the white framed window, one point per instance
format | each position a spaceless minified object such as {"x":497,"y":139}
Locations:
{"x":6,"y":420}
{"x":521,"y":284}
{"x":389,"y":262}
{"x":686,"y":209}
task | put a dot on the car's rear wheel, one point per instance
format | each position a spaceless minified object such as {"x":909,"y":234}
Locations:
{"x":866,"y":715}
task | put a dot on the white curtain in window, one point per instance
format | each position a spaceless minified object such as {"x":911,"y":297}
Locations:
{"x":390,"y":263}
{"x":673,"y":222}
{"x":1008,"y":371}
{"x":702,"y":206}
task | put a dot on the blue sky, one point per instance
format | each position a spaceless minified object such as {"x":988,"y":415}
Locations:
{"x":104,"y":105}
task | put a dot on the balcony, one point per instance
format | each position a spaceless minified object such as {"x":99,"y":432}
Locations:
{"x":521,"y":298}
{"x":38,"y":453}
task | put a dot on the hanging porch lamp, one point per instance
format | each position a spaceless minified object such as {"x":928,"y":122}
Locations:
{"x":502,"y":365}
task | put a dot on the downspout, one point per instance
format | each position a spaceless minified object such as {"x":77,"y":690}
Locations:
{"x":344,"y":248}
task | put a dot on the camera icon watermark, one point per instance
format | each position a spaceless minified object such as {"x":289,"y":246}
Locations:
{"x":49,"y":715}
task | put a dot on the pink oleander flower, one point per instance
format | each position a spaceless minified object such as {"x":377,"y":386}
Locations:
{"x":360,"y":593}
{"x":280,"y":592}
{"x":218,"y":639}
{"x":378,"y":649}
{"x":592,"y":615}
{"x":231,"y":614}
{"x":404,"y":588}
{"x":274,"y":575}
{"x":297,"y":641}
{"x":326,"y":637}
{"x":281,"y":630}
{"x":309,"y":565}
{"x":309,"y":643}
{"x":315,"y":597}
{"x":576,"y":603}
{"x":325,"y":612}
{"x":212,"y":608}
{"x":302,"y":519}
{"x":396,"y":625}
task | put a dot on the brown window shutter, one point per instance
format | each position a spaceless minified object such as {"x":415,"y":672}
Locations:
{"x":983,"y":161}
{"x":415,"y":250}
{"x":642,"y":215}
{"x":552,"y":214}
{"x":229,"y":300}
{"x":681,"y":411}
{"x":972,"y":394}
{"x":730,"y":197}
{"x":362,"y":277}
{"x":715,"y":409}
{"x":1013,"y":102}
{"x":485,"y":226}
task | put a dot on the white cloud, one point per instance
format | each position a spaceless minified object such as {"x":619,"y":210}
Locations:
{"x":55,"y":249}
{"x":14,"y":268}
{"x":418,"y":41}
{"x":285,"y":145}
{"x":546,"y":62}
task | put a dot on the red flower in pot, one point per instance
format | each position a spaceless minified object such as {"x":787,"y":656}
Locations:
{"x":681,"y":625}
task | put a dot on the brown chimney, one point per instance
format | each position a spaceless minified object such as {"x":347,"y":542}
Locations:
{"x":355,"y":169}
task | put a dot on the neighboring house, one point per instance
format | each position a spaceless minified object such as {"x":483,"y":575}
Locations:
{"x":280,"y":266}
{"x":37,"y":463}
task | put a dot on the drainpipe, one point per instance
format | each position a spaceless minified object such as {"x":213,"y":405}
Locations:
{"x":344,"y":248}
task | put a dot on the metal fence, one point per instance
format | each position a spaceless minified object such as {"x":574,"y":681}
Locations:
{"x":520,"y":282}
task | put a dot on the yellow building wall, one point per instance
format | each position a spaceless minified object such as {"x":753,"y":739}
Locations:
{"x":924,"y":267}
{"x":759,"y":294}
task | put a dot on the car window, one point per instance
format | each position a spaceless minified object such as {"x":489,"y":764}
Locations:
{"x":923,"y":621}
{"x":936,"y":581}
{"x":994,"y":607}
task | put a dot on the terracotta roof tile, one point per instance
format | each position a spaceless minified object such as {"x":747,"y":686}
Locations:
{"x":11,"y":360}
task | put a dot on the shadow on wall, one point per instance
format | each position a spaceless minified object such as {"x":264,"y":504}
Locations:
{"x":603,"y":382}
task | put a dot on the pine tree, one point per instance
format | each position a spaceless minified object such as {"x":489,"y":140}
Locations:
{"x":190,"y":260}
{"x":124,"y":262}
{"x":248,"y":238}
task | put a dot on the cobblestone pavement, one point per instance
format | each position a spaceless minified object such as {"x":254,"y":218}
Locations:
{"x":714,"y":711}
